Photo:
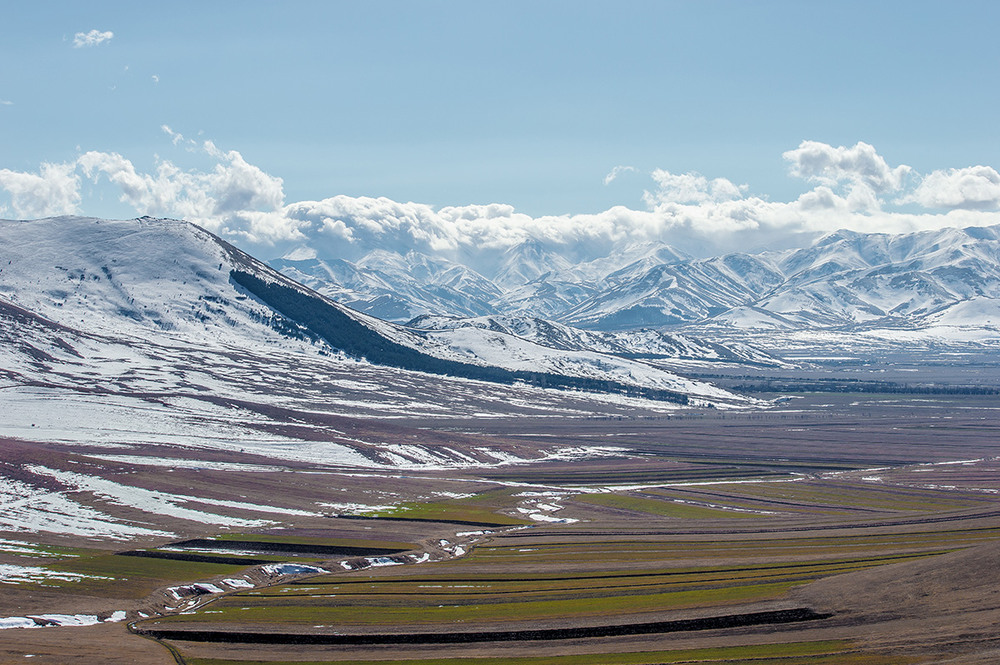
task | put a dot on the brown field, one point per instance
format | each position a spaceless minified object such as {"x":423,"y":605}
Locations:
{"x":807,"y":535}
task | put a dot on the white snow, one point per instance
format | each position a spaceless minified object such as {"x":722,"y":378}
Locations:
{"x":150,"y":501}
{"x":182,"y":463}
{"x":48,"y":620}
{"x":238,"y":583}
{"x":14,"y":574}
{"x":30,"y":509}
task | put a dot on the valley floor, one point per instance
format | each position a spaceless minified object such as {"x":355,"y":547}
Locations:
{"x":833,"y":528}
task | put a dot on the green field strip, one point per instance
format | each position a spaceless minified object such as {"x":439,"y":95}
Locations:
{"x":850,"y":495}
{"x":739,"y":501}
{"x":632,"y":549}
{"x":827,"y":652}
{"x":466,"y":614}
{"x":316,"y":540}
{"x":457,"y":510}
{"x":645,"y":477}
{"x":656,"y":556}
{"x":663,"y":508}
{"x":583,"y":582}
{"x":378,"y":606}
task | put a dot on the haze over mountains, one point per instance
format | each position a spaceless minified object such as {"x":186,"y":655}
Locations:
{"x":844,"y":280}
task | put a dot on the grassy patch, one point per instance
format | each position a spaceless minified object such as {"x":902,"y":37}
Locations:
{"x":443,"y":599}
{"x":664,"y":508}
{"x":241,"y":610}
{"x":135,"y":577}
{"x":482,"y":508}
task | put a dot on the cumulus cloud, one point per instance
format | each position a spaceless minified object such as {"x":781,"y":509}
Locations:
{"x":92,"y":38}
{"x":691,"y":188}
{"x":971,"y":188}
{"x":859,"y":165}
{"x":698,"y":214}
{"x":235,"y":197}
{"x":54,"y":190}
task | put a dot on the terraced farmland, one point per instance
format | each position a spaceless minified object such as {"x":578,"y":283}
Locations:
{"x":811,"y":548}
{"x":627,"y":571}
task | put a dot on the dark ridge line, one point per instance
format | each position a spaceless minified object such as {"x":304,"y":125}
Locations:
{"x":319,"y":318}
{"x":199,"y":558}
{"x":264,"y":546}
{"x":651,"y":628}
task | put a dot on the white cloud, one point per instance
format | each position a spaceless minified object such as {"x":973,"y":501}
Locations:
{"x":235,"y":197}
{"x":617,"y":171}
{"x":971,"y":188}
{"x":241,"y":201}
{"x":859,"y":169}
{"x":691,"y":188}
{"x":5,"y":102}
{"x":156,"y":79}
{"x":54,"y":190}
{"x":92,"y":38}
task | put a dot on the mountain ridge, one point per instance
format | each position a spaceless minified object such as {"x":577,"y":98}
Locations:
{"x":842,"y":280}
{"x":175,"y":281}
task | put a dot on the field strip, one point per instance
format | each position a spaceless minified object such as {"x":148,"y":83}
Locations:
{"x":651,"y":628}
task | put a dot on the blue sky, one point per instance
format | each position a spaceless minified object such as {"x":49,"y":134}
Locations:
{"x":530,"y":104}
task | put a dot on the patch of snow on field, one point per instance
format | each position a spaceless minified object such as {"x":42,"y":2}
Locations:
{"x":585,"y":452}
{"x":158,"y":503}
{"x":23,"y":549}
{"x":51,"y":414}
{"x":12,"y":574}
{"x":547,"y":493}
{"x":198,"y":589}
{"x":542,"y":517}
{"x":502,"y":456}
{"x":178,"y":463}
{"x":354,"y":508}
{"x":17,"y":622}
{"x":48,"y":620}
{"x":238,"y":583}
{"x":67,"y":619}
{"x":26,"y":508}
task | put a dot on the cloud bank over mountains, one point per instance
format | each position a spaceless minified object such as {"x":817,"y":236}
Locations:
{"x":851,"y":187}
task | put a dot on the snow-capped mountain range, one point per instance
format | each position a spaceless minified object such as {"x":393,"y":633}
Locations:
{"x":121,"y":284}
{"x":844,"y":280}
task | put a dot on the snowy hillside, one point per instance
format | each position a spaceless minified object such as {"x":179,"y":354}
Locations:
{"x":169,"y":281}
{"x":650,"y":344}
